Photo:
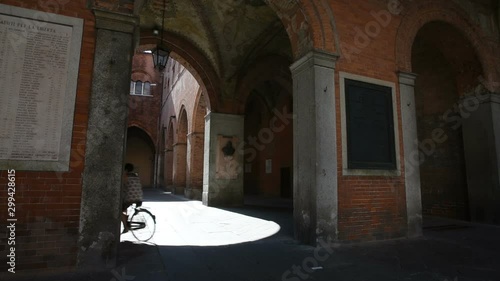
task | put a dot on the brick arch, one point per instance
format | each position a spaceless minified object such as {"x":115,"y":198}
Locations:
{"x":143,"y":76}
{"x":422,"y":13}
{"x":198,"y":117}
{"x":308,"y":23}
{"x":193,"y":59}
{"x":182,"y":124}
{"x":320,"y":14}
{"x":169,"y":141}
{"x":275,"y":68}
{"x":140,"y":126}
{"x":180,"y":169}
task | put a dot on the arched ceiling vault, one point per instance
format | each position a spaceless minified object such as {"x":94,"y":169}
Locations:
{"x":230,"y":33}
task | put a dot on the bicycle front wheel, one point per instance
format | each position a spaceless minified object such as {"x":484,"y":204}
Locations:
{"x":143,"y":225}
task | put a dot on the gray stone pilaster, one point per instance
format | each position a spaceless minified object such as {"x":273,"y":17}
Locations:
{"x":315,"y":148}
{"x":481,"y":133}
{"x":411,"y":154}
{"x":223,"y":178}
{"x":101,"y":191}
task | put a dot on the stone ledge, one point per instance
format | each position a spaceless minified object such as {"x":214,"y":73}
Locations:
{"x":115,"y":21}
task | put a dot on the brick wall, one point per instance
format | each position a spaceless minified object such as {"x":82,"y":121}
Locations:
{"x":370,"y":207}
{"x":48,"y":203}
{"x":378,"y":46}
{"x":183,"y":93}
{"x":143,"y":110}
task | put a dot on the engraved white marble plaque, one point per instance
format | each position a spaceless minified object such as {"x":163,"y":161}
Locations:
{"x":37,"y":88}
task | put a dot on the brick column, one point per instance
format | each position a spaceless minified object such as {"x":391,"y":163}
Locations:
{"x":169,"y":166}
{"x":107,"y":127}
{"x":179,"y":168}
{"x":411,"y":154}
{"x":195,"y":167}
{"x":315,"y":148}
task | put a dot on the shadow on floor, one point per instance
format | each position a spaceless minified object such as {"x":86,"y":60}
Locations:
{"x":448,"y":251}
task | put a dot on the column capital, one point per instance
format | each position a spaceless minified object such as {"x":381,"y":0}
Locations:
{"x":314,"y":58}
{"x":407,"y":78}
{"x":115,"y":21}
{"x":227,"y":116}
{"x":195,"y":134}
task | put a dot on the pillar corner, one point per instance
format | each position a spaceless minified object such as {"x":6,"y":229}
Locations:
{"x":315,"y":57}
{"x":407,"y":78}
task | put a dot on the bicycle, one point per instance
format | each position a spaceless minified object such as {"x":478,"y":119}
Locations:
{"x":141,"y":222}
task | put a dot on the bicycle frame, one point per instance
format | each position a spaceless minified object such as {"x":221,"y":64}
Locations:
{"x":134,"y":225}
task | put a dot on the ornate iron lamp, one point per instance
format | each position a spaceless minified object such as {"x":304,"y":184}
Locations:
{"x":161,"y":54}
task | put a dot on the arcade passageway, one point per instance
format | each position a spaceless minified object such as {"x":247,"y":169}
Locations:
{"x":361,"y":118}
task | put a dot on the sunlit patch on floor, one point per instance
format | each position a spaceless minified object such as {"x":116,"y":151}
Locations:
{"x":190,"y":223}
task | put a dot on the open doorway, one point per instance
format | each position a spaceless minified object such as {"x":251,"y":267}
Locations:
{"x":141,"y":152}
{"x":269,"y":145}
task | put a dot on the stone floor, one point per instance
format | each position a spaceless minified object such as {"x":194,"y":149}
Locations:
{"x":193,"y":243}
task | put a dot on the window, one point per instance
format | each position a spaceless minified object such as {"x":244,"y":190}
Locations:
{"x":138,"y":88}
{"x":369,"y":126}
{"x":147,"y":89}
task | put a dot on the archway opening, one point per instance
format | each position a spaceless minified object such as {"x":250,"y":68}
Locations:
{"x":184,"y":107}
{"x":218,"y":46}
{"x":268,"y":159}
{"x":447,"y":68}
{"x":141,"y":152}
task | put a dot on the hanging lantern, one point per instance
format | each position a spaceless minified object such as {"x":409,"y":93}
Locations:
{"x":160,"y":57}
{"x":161,"y":54}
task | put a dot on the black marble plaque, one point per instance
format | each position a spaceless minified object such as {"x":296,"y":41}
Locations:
{"x":370,"y":126}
